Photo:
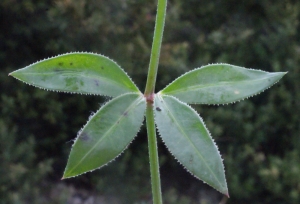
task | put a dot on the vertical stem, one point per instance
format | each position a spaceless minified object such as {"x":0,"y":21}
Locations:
{"x":156,"y":45}
{"x":153,"y":155}
{"x":149,"y":94}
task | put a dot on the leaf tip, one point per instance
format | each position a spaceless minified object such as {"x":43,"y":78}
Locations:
{"x":11,"y":74}
{"x":66,"y":176}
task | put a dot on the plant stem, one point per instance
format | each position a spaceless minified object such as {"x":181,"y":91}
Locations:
{"x":156,"y":45}
{"x":149,"y":94}
{"x":153,"y":155}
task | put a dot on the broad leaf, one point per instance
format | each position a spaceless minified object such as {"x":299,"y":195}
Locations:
{"x":106,"y":134}
{"x":187,"y":138}
{"x":85,"y":73}
{"x":220,"y":84}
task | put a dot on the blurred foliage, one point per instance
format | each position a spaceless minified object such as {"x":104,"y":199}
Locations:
{"x":258,"y":138}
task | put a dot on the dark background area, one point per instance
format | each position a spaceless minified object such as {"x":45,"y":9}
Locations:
{"x":258,"y":138}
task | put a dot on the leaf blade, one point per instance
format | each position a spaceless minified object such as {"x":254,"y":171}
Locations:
{"x":106,"y":134}
{"x":187,"y":138}
{"x":220,"y":84}
{"x":85,"y":73}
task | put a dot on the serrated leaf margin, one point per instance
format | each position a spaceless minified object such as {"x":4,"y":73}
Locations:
{"x":161,"y":91}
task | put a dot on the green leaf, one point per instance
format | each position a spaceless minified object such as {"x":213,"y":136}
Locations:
{"x":85,"y":73}
{"x":106,"y":134}
{"x":187,"y":138}
{"x":220,"y":84}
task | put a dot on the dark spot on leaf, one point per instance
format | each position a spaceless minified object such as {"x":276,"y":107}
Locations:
{"x":158,"y":109}
{"x":191,"y":159}
{"x":125,"y":113}
{"x":84,"y":136}
{"x":71,"y":63}
{"x":102,"y":67}
{"x":57,"y":70}
{"x":60,"y":64}
{"x":96,"y":82}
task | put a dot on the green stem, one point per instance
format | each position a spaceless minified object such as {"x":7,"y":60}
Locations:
{"x":153,"y":155}
{"x":156,"y":45}
{"x":149,"y":94}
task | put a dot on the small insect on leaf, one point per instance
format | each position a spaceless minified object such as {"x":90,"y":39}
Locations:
{"x":158,"y":109}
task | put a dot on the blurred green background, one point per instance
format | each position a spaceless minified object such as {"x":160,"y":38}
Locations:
{"x":258,"y":138}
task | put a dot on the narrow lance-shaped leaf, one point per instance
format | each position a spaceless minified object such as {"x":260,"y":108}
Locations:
{"x":220,"y":84}
{"x":106,"y":134}
{"x":187,"y":138}
{"x":85,"y":73}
